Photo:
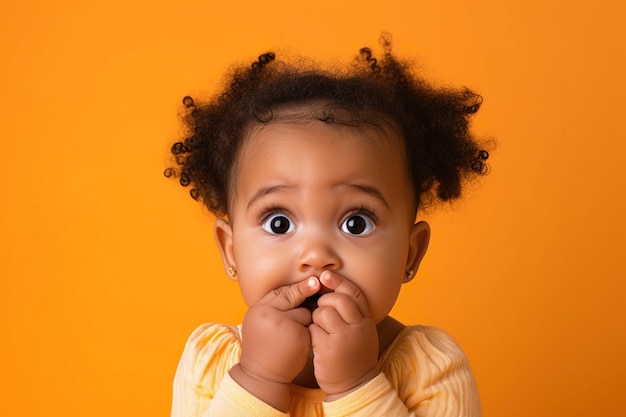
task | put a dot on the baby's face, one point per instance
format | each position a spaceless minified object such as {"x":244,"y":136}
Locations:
{"x":316,"y":196}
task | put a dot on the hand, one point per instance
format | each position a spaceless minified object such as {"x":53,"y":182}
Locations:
{"x":275,"y":343}
{"x":344,"y":338}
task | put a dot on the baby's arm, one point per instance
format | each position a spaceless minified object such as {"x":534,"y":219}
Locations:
{"x":434,"y":375}
{"x":379,"y":398}
{"x":275,"y":343}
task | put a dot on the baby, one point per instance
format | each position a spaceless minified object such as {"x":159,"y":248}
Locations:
{"x":316,"y":177}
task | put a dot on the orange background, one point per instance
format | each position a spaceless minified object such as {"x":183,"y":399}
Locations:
{"x":106,"y":266}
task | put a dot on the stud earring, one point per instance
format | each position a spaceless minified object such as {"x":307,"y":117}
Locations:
{"x":409,"y":275}
{"x":233,"y":271}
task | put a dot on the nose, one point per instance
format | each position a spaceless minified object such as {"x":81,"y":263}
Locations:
{"x":317,"y":254}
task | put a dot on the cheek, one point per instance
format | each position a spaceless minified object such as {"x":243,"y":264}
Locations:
{"x":383,"y":299}
{"x":390,"y":260}
{"x":260,"y":269}
{"x":379,"y":275}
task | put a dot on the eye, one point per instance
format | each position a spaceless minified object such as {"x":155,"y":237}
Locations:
{"x":357,"y":225}
{"x":278,"y":224}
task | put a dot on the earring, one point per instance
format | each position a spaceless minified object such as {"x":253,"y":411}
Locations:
{"x":233,"y":271}
{"x":409,"y":275}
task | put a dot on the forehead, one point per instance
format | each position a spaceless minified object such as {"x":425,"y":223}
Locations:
{"x":318,"y":154}
{"x":322,"y":123}
{"x":304,"y":140}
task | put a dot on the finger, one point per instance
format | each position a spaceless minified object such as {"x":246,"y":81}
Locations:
{"x":329,"y":319}
{"x":344,"y":306}
{"x":316,"y":333}
{"x":300,"y":315}
{"x":291,"y":296}
{"x":341,"y":285}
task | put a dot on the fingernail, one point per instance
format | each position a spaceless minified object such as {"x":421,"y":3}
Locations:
{"x":312,"y":282}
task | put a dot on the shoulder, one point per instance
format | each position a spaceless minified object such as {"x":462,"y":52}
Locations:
{"x":431,"y":340}
{"x":211,"y":333}
{"x":422,"y":341}
{"x":423,"y":362}
{"x":213,"y":342}
{"x":211,"y":350}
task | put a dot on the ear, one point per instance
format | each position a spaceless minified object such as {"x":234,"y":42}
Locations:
{"x":418,"y":243}
{"x":223,"y":233}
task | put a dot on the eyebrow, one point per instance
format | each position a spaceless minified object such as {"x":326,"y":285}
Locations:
{"x":372,"y":191}
{"x":265,"y":191}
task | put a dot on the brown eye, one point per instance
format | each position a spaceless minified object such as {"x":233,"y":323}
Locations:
{"x":357,"y":225}
{"x":278,"y":224}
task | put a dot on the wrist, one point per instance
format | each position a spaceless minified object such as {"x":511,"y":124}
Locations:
{"x":274,"y":394}
{"x":333,"y":395}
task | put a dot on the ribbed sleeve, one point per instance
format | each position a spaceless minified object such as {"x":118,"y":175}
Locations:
{"x":431,"y":374}
{"x":234,"y":401}
{"x":210,"y":352}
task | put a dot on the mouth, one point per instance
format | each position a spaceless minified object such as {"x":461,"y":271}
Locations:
{"x":310,"y":303}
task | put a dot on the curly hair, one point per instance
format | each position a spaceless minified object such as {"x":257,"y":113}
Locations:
{"x":442,"y":153}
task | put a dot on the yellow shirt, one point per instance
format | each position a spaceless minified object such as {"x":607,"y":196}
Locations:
{"x":423,"y":373}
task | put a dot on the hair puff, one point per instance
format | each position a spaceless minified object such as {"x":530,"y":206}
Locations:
{"x":442,"y":153}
